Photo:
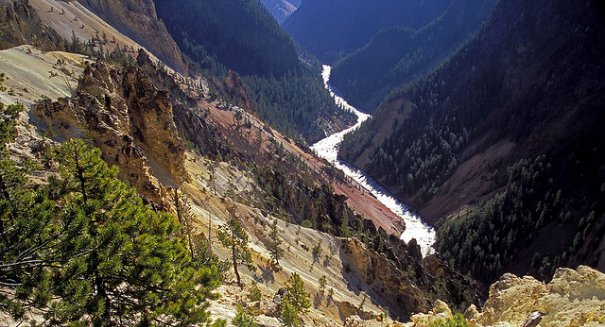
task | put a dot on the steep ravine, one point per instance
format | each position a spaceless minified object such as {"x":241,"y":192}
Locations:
{"x":102,"y":113}
{"x":398,"y":278}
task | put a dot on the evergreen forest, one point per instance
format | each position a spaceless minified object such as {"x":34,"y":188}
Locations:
{"x":240,"y":35}
{"x":472,"y":106}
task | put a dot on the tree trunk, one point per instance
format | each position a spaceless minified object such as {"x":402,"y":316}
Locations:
{"x":209,"y":231}
{"x":233,"y":252}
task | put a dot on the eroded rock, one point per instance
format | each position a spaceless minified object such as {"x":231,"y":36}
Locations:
{"x":440,"y":312}
{"x":572,"y":298}
{"x":130,"y":120}
{"x":384,"y":278}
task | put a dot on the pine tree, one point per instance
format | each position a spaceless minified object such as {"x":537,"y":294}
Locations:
{"x":323,"y":282}
{"x":133,"y":252}
{"x":25,"y":217}
{"x":85,"y":248}
{"x":234,"y":236}
{"x":316,"y":251}
{"x":344,"y":229}
{"x":185,"y":218}
{"x":289,"y":314}
{"x":274,"y":243}
{"x":243,"y":318}
{"x":255,"y":293}
{"x":296,"y":301}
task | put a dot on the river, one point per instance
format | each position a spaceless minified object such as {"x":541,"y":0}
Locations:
{"x":327,"y":148}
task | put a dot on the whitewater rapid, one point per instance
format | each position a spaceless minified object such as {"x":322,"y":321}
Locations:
{"x":327,"y":148}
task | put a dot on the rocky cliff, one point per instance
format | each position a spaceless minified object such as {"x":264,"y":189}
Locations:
{"x":572,"y":298}
{"x":138,"y":20}
{"x":399,"y":278}
{"x":130,"y":120}
{"x":129,"y":115}
{"x":20,"y":24}
{"x":384,"y":278}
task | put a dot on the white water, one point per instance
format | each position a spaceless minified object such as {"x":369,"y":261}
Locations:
{"x":327,"y":148}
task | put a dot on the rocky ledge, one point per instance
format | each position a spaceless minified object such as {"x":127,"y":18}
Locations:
{"x":573,"y":298}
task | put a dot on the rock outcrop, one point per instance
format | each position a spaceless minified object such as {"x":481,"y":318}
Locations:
{"x":440,"y":312}
{"x":236,"y":91}
{"x":130,"y":120}
{"x":385,"y":279}
{"x":573,"y":298}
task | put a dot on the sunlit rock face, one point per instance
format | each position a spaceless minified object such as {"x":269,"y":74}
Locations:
{"x":572,"y":298}
{"x":138,"y":20}
{"x":130,"y":120}
{"x":382,"y":276}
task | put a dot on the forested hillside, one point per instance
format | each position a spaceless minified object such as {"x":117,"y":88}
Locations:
{"x":332,"y":29}
{"x":506,"y":137}
{"x":397,"y":55}
{"x":133,"y":195}
{"x":241,"y":35}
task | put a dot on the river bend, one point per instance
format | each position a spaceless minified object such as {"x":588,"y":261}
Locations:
{"x":327,"y":148}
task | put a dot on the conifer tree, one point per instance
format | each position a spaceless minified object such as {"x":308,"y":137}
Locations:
{"x":323,"y":282}
{"x":233,"y":235}
{"x":85,"y":249}
{"x":244,"y":318}
{"x":274,"y":243}
{"x":25,"y":216}
{"x":185,"y":218}
{"x":344,"y":229}
{"x":137,"y":267}
{"x":296,"y":301}
{"x":289,"y":314}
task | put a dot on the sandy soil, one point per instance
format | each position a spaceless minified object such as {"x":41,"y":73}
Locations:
{"x":70,"y":18}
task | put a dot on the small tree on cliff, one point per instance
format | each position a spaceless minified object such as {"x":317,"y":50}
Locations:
{"x":234,"y":236}
{"x":184,"y":215}
{"x":296,"y":301}
{"x":274,"y":243}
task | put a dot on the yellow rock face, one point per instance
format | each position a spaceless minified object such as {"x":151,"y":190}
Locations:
{"x":572,"y":298}
{"x":130,"y":120}
{"x":440,"y":312}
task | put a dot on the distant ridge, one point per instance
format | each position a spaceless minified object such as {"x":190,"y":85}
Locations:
{"x":332,"y":29}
